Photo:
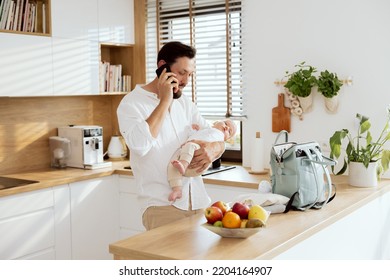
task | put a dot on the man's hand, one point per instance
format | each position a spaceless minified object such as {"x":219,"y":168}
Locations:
{"x":207,"y":153}
{"x":166,"y":84}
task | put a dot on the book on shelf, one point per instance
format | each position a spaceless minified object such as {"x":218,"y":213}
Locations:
{"x":126,"y":83}
{"x":4,"y":13}
{"x":1,"y":8}
{"x":43,"y":18}
{"x":23,"y":15}
{"x":111,"y":79}
{"x":26,"y":16}
{"x":10,"y":15}
{"x":16,"y":15}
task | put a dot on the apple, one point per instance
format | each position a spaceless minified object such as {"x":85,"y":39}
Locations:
{"x":218,"y":224}
{"x":241,"y":209}
{"x":213,"y":214}
{"x":221,"y":205}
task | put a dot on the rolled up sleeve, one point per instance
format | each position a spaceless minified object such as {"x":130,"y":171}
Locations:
{"x":134,"y":129}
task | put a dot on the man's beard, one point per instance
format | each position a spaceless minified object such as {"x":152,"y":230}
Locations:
{"x":177,"y":95}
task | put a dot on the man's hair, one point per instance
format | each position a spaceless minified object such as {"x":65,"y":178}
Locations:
{"x":174,"y":50}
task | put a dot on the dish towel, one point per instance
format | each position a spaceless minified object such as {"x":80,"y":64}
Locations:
{"x":274,"y":203}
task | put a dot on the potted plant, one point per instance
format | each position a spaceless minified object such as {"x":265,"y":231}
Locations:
{"x":362,"y":152}
{"x":329,"y":86}
{"x":300,"y":84}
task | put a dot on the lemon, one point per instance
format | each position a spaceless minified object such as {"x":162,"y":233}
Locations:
{"x":258,"y":212}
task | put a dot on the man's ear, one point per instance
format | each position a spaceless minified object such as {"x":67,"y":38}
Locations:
{"x":161,"y":63}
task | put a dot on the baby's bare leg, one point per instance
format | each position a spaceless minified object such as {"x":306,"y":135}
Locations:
{"x":175,"y":194}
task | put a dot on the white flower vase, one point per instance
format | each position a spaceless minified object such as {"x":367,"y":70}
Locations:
{"x":332,"y":104}
{"x":306,"y":103}
{"x":360,"y":176}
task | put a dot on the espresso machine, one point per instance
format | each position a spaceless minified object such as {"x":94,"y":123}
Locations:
{"x":86,"y":146}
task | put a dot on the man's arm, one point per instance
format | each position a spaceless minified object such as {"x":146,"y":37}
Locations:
{"x":208,"y":152}
{"x":165,"y":87}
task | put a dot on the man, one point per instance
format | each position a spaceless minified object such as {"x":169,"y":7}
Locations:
{"x":155,"y":120}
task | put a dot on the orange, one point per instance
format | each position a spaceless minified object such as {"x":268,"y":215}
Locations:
{"x":231,"y":220}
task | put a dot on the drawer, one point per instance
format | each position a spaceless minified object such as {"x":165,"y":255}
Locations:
{"x":26,"y":234}
{"x":25,"y":203}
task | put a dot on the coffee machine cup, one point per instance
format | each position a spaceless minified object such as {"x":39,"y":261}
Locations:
{"x":59,"y":151}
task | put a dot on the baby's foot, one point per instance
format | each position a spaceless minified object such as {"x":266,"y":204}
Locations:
{"x":179,"y":166}
{"x":175,"y":195}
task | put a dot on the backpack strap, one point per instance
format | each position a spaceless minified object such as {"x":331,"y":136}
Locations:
{"x":323,"y":163}
{"x":290,"y":202}
{"x":280,"y":134}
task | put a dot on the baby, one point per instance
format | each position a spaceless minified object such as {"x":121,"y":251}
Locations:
{"x":219,"y":132}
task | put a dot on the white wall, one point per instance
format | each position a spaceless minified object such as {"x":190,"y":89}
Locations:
{"x":351,"y":38}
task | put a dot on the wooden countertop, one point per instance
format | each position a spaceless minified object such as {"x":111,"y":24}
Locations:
{"x":186,"y":239}
{"x":50,"y":177}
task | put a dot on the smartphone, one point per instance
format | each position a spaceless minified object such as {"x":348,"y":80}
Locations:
{"x":159,"y":71}
{"x":161,"y":68}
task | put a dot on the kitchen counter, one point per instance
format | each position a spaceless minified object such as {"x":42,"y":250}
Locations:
{"x":187,"y":239}
{"x":50,"y":177}
{"x":191,"y":241}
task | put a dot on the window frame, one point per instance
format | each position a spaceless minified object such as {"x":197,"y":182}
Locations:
{"x":212,"y":8}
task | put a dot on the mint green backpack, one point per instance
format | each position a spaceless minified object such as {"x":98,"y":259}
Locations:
{"x":299,"y":171}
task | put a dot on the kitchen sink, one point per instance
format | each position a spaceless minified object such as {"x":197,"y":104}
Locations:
{"x":8,"y":182}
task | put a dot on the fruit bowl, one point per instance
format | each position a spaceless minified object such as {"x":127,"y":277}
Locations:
{"x":232,"y":232}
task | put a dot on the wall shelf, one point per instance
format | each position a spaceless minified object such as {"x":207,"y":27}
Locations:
{"x":26,"y":17}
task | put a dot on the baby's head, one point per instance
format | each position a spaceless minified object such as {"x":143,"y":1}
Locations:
{"x":228,"y":127}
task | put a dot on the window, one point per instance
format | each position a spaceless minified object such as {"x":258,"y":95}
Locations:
{"x":213,"y":27}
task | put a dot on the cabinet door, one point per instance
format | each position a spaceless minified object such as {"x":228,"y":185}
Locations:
{"x":75,"y":19}
{"x":63,"y":244}
{"x":130,"y":212}
{"x":75,"y":66}
{"x":116,"y":21}
{"x":26,"y":65}
{"x":27,"y":226}
{"x":94,"y":217}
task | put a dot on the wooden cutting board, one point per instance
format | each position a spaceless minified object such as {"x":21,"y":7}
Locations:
{"x":281,"y":116}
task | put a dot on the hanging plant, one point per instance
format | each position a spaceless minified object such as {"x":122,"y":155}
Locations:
{"x":301,"y":82}
{"x":328,"y":84}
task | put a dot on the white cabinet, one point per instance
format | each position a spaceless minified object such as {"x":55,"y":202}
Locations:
{"x":27,"y":226}
{"x":75,"y":66}
{"x":116,"y":21}
{"x":75,"y":19}
{"x":26,"y":65}
{"x":62,"y":229}
{"x":362,"y":235}
{"x":94,"y":217}
{"x":35,"y":225}
{"x":130,"y":212}
{"x":68,"y":62}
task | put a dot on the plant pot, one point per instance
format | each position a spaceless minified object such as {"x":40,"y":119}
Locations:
{"x":332,"y":104}
{"x":306,"y":103}
{"x":360,"y":176}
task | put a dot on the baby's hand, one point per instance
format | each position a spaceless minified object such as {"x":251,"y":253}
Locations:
{"x":195,"y":126}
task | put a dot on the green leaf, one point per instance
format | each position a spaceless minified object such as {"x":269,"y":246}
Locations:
{"x":364,"y":126}
{"x":335,"y":142}
{"x":385,"y":160}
